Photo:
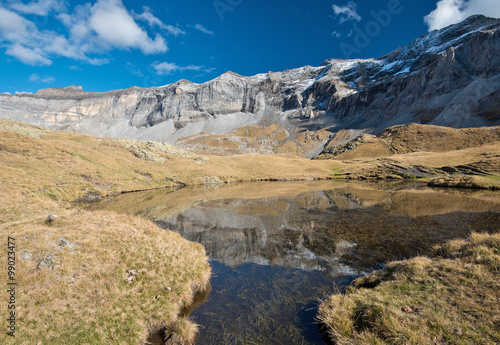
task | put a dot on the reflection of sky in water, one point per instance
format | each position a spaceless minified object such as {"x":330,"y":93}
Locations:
{"x":274,"y":256}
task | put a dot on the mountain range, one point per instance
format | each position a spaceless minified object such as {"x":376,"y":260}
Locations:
{"x":449,"y":77}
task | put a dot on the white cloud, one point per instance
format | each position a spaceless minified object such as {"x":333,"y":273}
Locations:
{"x":75,"y":68}
{"x":77,"y":23}
{"x":40,"y":7}
{"x":347,"y":12}
{"x":30,"y":45}
{"x":203,"y":29}
{"x":174,"y":30}
{"x":115,"y":27}
{"x":29,"y":56}
{"x":97,"y":62}
{"x":169,"y":68}
{"x":92,"y":29}
{"x":134,"y":70}
{"x":153,"y":21}
{"x":12,"y":25}
{"x":450,"y":12}
{"x":35,"y":78}
{"x":18,"y":93}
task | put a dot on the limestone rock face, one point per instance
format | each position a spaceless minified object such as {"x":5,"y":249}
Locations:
{"x":449,"y":77}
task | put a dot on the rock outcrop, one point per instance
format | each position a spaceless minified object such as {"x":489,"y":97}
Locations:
{"x":449,"y":77}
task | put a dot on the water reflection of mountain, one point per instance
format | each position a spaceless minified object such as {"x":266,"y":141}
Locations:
{"x":340,"y":228}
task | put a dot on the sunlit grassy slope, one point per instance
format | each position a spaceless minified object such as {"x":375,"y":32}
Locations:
{"x":88,"y":277}
{"x":74,"y":275}
{"x":63,"y":166}
{"x":73,"y":283}
{"x":452,"y":297}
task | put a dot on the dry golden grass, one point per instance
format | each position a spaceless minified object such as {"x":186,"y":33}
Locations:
{"x":452,"y":297}
{"x":486,"y":158}
{"x":83,"y":294}
{"x":452,"y":158}
{"x":365,"y":146}
{"x":420,"y":151}
{"x":181,"y":332}
{"x":410,"y":138}
{"x":63,"y":166}
{"x":248,"y":139}
{"x":86,"y":298}
{"x":407,"y":146}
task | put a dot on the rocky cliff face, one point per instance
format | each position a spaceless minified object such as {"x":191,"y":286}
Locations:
{"x":449,"y":77}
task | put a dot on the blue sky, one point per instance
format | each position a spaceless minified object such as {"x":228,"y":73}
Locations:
{"x":113,"y":44}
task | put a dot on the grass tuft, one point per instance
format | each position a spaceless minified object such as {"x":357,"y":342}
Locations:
{"x":181,"y":332}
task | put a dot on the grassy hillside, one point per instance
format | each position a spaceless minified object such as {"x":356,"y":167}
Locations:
{"x":99,"y":277}
{"x":452,"y":297}
{"x":410,"y":138}
{"x":65,"y":166}
{"x":423,"y":151}
{"x":87,"y":277}
{"x":255,"y":139}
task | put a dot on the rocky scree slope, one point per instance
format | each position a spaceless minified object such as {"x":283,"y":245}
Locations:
{"x":449,"y":77}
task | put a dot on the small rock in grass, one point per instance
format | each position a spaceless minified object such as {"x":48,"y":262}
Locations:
{"x":131,"y":275}
{"x":47,"y":262}
{"x":410,"y":309}
{"x":70,"y":279}
{"x":25,"y":255}
{"x":65,"y":243}
{"x":51,"y":218}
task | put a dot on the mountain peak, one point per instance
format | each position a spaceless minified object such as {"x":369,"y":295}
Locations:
{"x":448,"y":77}
{"x":439,"y":41}
{"x":230,"y":75}
{"x":474,"y":21}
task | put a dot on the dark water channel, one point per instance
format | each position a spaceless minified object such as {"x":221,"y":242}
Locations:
{"x":276,"y":249}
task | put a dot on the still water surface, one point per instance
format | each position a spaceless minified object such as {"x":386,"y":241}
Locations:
{"x":277,"y":248}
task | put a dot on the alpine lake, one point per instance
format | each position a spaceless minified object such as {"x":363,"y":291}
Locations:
{"x":277,"y":249}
